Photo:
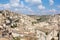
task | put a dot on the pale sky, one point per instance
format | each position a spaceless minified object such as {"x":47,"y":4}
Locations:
{"x":36,"y":7}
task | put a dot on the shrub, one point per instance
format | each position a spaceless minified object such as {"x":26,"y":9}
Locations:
{"x":34,"y":22}
{"x":42,"y":19}
{"x":16,"y":38}
{"x":14,"y":25}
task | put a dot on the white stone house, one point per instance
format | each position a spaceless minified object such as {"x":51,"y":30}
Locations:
{"x":46,"y":34}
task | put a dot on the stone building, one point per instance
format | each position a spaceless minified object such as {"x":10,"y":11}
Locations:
{"x":46,"y":34}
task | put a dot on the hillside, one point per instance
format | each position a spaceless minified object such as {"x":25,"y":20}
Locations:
{"x":15,"y":25}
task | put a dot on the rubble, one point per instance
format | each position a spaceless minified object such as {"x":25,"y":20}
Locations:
{"x":19,"y":25}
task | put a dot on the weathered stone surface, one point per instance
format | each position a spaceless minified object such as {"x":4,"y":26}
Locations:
{"x":13,"y":24}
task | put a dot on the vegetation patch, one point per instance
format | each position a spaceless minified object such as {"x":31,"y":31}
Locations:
{"x":16,"y":38}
